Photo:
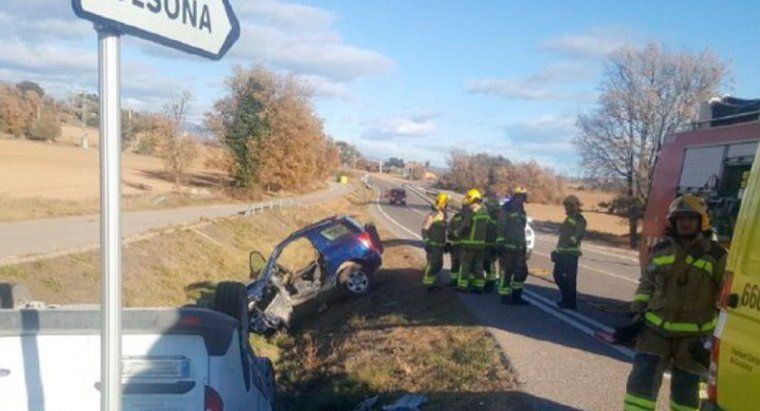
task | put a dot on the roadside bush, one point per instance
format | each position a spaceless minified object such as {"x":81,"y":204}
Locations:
{"x":619,"y":205}
{"x":16,"y":110}
{"x":47,"y":127}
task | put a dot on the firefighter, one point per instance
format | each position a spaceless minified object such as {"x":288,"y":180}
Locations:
{"x":565,"y":257}
{"x":512,"y":247}
{"x":434,"y":237}
{"x":452,"y":244}
{"x":676,"y":301}
{"x":491,"y":252}
{"x":472,"y":231}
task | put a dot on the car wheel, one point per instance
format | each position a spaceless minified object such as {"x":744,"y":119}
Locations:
{"x":355,"y":280}
{"x":231,"y":298}
{"x":13,"y":296}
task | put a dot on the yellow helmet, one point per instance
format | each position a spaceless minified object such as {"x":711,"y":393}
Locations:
{"x":472,"y":196}
{"x":690,"y":205}
{"x":441,"y":201}
{"x":520,"y":190}
{"x":572,"y":200}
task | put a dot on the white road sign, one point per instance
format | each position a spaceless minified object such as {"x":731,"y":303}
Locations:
{"x":203,"y":27}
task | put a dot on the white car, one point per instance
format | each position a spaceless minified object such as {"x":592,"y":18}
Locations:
{"x":530,"y":238}
{"x":173,"y":359}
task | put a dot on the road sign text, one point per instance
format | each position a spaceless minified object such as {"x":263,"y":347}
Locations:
{"x":185,"y":10}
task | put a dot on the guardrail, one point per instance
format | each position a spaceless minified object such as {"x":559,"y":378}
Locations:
{"x":271,"y":205}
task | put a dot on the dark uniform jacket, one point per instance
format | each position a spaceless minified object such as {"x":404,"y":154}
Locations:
{"x":473,"y":231}
{"x":511,"y":227}
{"x":571,"y":234}
{"x":679,"y":287}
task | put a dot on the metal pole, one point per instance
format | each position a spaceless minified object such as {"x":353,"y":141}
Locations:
{"x":85,"y":143}
{"x":109,"y":60}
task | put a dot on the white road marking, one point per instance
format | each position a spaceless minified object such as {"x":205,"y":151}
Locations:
{"x":541,"y":303}
{"x":575,"y":314}
{"x":595,"y":249}
{"x":585,"y":267}
{"x":562,"y":316}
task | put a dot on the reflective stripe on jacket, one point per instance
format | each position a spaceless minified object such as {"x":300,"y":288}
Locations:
{"x":679,"y":287}
{"x":475,"y":228}
{"x":571,"y":234}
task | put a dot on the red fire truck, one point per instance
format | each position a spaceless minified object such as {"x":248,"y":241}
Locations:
{"x":712,"y":159}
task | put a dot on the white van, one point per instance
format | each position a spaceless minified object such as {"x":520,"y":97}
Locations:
{"x":173,"y":359}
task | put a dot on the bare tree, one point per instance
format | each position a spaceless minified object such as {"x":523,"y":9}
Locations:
{"x":645,"y":95}
{"x":497,"y":175}
{"x":176,"y":146}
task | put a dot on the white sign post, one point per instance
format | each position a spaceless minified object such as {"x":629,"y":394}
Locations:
{"x":207,"y":28}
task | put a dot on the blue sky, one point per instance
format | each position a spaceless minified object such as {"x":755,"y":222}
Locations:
{"x":412,"y":79}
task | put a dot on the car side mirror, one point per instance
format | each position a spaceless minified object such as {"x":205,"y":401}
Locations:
{"x":256,"y":263}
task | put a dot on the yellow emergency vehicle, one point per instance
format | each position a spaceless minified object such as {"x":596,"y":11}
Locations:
{"x":734,"y":379}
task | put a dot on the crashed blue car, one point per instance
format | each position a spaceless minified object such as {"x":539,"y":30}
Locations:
{"x":347,"y":256}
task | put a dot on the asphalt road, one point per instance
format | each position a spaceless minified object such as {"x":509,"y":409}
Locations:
{"x":24,"y":240}
{"x":557,"y":359}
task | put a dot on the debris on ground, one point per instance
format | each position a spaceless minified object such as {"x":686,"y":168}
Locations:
{"x":406,"y":403}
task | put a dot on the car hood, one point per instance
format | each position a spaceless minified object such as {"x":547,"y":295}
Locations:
{"x":256,"y":289}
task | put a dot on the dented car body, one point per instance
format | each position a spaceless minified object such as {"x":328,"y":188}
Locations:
{"x":347,"y":257}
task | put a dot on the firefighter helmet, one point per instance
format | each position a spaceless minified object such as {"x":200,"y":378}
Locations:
{"x":472,"y":196}
{"x":520,"y":191}
{"x":441,"y":201}
{"x":690,"y":205}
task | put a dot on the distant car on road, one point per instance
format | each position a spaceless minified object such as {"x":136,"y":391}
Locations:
{"x":397,"y":196}
{"x":188,"y":358}
{"x":347,"y":257}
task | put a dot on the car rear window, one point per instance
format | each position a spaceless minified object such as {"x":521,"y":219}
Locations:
{"x":335,"y":232}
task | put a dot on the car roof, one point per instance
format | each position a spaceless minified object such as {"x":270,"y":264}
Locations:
{"x":318,"y":226}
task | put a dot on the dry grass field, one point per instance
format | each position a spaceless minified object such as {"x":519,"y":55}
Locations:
{"x":40,"y":179}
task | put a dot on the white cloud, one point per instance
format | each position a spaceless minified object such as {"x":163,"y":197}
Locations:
{"x":512,"y":89}
{"x":309,"y":51}
{"x":595,"y":43}
{"x":548,"y":128}
{"x":46,"y":58}
{"x":400,"y":127}
{"x":288,"y":14}
{"x":325,"y":88}
{"x":545,"y":84}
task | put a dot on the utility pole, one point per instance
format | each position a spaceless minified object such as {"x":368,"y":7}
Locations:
{"x":84,"y":143}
